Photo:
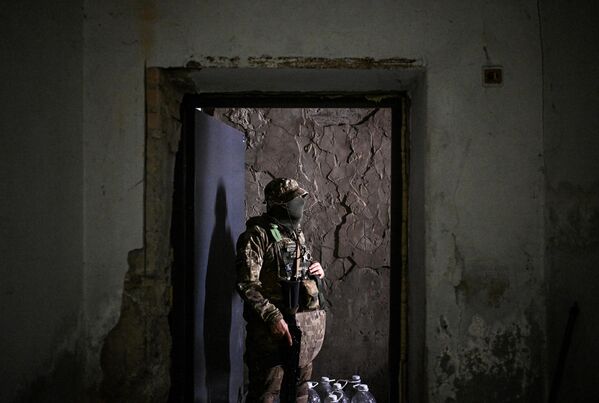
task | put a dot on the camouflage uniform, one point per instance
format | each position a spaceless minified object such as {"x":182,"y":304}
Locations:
{"x":258,"y":264}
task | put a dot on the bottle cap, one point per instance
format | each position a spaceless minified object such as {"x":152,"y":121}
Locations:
{"x":333,"y":398}
{"x":355,"y":378}
{"x":362,"y":387}
{"x":337,"y":385}
{"x":325,"y":379}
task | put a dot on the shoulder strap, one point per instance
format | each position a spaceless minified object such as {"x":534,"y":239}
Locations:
{"x":274,"y":236}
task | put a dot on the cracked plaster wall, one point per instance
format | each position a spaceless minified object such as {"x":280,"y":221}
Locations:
{"x":343,"y":158}
{"x":572,"y":183}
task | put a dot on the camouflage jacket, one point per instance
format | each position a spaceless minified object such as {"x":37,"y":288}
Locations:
{"x":259,"y":265}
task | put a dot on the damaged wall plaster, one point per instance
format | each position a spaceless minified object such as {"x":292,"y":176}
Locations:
{"x":490,"y":335}
{"x":303,"y":62}
{"x":492,"y":358}
{"x":343,"y":158}
{"x":136,"y":353}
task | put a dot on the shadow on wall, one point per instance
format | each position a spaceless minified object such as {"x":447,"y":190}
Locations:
{"x":219,"y":294}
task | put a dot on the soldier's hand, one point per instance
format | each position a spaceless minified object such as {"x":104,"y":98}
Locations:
{"x":282,"y":330}
{"x":315,"y":269}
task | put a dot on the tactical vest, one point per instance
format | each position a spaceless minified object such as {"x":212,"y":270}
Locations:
{"x":311,"y":316}
{"x":285,"y":250}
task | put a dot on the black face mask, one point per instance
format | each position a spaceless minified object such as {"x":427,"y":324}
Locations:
{"x":290,"y":212}
{"x":295,"y":208}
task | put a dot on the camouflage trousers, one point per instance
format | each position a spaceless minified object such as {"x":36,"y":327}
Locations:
{"x":264,"y":356}
{"x":265,"y":384}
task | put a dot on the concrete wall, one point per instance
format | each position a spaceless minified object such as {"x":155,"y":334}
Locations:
{"x":571,"y":102}
{"x":483,"y":184}
{"x":113,"y":152}
{"x":481,"y":164}
{"x":41,"y":225}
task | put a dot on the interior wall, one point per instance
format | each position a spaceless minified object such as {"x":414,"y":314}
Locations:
{"x":41,"y":225}
{"x":483,"y":189}
{"x":481,"y":173}
{"x":571,"y":56}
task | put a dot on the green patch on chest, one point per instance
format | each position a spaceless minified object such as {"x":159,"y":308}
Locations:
{"x":276,"y":234}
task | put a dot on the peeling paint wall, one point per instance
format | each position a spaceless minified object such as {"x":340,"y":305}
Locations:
{"x":136,"y":354}
{"x":571,"y":102}
{"x":343,"y":158}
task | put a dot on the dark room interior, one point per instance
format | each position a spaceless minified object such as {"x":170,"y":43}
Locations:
{"x":449,"y":157}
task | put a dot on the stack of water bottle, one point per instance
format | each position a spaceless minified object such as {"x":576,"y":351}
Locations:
{"x":339,"y":391}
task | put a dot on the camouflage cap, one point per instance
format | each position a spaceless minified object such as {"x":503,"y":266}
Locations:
{"x":282,"y":190}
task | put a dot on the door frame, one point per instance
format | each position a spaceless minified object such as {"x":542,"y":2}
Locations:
{"x":181,"y":318}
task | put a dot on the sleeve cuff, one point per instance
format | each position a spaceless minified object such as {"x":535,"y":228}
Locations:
{"x":274,"y":318}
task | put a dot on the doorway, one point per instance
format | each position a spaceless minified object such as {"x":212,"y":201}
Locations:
{"x":354,"y":142}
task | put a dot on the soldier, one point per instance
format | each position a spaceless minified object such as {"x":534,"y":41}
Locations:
{"x":279,"y":284}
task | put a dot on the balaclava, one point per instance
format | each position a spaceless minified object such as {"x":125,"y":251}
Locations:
{"x":284,"y":200}
{"x":289,"y":214}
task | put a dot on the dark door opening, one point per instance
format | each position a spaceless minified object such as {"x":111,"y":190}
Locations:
{"x":182,"y":318}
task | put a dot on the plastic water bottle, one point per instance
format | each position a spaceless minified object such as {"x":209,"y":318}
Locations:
{"x":350,"y":389}
{"x":363,"y":395}
{"x":334,"y":397}
{"x":312,"y":393}
{"x":339,"y":389}
{"x":324,"y":387}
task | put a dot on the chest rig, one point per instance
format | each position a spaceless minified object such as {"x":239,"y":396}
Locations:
{"x":293,"y":256}
{"x":293,"y":261}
